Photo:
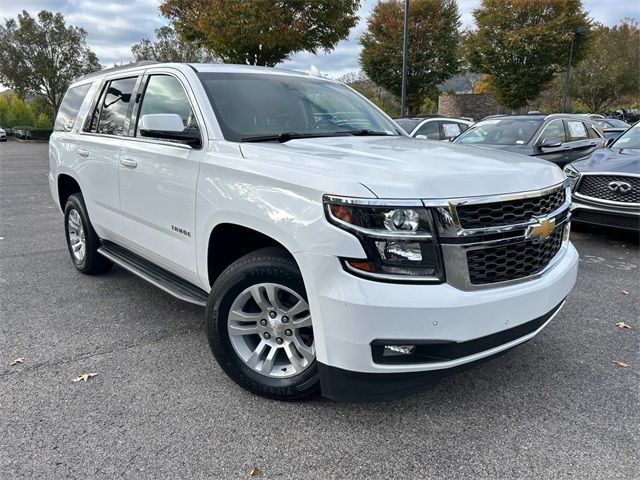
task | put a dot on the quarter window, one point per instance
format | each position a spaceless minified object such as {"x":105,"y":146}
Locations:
{"x":113,"y":108}
{"x":69,"y":108}
{"x":165,"y":94}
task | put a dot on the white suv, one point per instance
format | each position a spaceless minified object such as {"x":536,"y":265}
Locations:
{"x":332,"y":251}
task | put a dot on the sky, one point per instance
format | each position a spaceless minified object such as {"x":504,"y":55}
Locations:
{"x":114,"y":25}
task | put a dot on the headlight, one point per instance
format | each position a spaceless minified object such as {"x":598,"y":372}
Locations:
{"x":572,"y":174}
{"x":398,"y":238}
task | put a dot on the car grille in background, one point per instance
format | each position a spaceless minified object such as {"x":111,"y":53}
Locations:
{"x":597,"y":186}
{"x":512,"y":261}
{"x":512,"y":212}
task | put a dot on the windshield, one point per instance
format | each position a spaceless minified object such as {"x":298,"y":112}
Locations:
{"x":629,"y":139}
{"x":505,"y":131}
{"x":251,"y":106}
{"x":408,"y":124}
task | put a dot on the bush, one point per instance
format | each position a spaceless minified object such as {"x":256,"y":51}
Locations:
{"x":40,"y":133}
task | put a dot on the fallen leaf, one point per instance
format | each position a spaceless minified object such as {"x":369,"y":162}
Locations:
{"x":620,"y":364}
{"x":254,"y":471}
{"x":624,"y":291}
{"x":622,"y":325}
{"x":84,"y":377}
{"x":16,"y":361}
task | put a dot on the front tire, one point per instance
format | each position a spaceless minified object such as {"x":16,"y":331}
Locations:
{"x":82,"y":240}
{"x":259,"y":326}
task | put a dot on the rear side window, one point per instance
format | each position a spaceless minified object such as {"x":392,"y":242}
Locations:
{"x":165,"y":94}
{"x":69,"y":107}
{"x":577,"y":130}
{"x":451,"y":129}
{"x":113,"y":107}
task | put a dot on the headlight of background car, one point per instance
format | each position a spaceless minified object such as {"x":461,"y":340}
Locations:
{"x":398,"y":240}
{"x":572,"y":174}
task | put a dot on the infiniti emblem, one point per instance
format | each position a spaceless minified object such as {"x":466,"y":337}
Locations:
{"x":620,"y":187}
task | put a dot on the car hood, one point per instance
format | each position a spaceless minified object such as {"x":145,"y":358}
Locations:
{"x":611,"y":160}
{"x":403,"y":167}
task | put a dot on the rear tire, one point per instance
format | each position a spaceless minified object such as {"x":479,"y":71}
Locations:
{"x":82,"y":240}
{"x":268,"y":347}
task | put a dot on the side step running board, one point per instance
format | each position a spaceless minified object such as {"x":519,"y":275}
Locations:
{"x":153,"y":274}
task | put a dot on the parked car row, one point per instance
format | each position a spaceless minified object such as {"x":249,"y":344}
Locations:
{"x":3,"y":135}
{"x":600,"y":159}
{"x":20,"y":133}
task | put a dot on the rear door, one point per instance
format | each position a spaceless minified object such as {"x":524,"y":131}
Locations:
{"x":583,"y":140}
{"x":158,"y":178}
{"x":98,"y":151}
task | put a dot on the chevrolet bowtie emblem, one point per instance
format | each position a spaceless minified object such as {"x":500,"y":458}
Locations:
{"x":540,"y":231}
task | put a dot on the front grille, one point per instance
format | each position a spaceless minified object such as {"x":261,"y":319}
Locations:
{"x":511,"y":212}
{"x":597,"y":186}
{"x":512,"y":261}
{"x":629,"y":222}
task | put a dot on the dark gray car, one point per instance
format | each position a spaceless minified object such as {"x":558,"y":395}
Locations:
{"x":606,"y":186}
{"x":559,"y":138}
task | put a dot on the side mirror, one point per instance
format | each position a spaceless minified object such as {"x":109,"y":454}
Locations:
{"x":609,"y":142}
{"x":423,"y":137}
{"x":549,"y":142}
{"x":168,"y":126}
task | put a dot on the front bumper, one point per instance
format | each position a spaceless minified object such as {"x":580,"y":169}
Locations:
{"x":351,"y":313}
{"x":594,"y":213}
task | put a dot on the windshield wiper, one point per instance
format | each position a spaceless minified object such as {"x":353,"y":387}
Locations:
{"x":286,"y":136}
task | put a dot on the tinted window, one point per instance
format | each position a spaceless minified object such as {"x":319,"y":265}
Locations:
{"x":164,"y":94}
{"x":504,"y":131}
{"x":114,"y":106}
{"x":69,"y":107}
{"x":555,"y":128}
{"x":259,"y":105}
{"x":431,"y":130}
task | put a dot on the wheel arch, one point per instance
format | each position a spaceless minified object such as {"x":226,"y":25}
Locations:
{"x":67,"y":186}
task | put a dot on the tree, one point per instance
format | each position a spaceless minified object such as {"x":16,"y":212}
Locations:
{"x":168,"y":47}
{"x":611,"y":68}
{"x":262,"y":32}
{"x":42,"y":55}
{"x":433,"y":43}
{"x":375,"y":93}
{"x":521,"y":45}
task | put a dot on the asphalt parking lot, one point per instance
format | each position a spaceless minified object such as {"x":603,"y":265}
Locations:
{"x":160,"y":407}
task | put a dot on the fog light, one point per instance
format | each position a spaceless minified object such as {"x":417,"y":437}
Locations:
{"x":401,"y":349}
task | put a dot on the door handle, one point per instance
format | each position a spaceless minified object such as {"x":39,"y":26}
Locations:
{"x":83,"y":153}
{"x":128,"y":162}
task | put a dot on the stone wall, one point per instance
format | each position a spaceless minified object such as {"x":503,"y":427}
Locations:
{"x":476,"y":106}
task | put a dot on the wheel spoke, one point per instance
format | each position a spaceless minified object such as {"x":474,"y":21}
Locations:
{"x":258,"y":297}
{"x":240,"y":316}
{"x":253,"y":360}
{"x":267,"y":365}
{"x":302,"y":322}
{"x":307,"y":352}
{"x":297,"y":309}
{"x":243,"y":329}
{"x":272,"y":294}
{"x":77,"y":246}
{"x":293,"y":357}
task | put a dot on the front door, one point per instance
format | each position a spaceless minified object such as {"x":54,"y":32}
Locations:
{"x":158,"y":181}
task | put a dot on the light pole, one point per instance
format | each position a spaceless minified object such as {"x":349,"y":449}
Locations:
{"x":405,"y":54}
{"x":576,"y":32}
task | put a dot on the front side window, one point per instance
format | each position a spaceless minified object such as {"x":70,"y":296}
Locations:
{"x":164,"y":94}
{"x":431,"y":130}
{"x":507,"y":131}
{"x":555,"y":128}
{"x":250,"y":106}
{"x":114,"y":106}
{"x":69,"y":107}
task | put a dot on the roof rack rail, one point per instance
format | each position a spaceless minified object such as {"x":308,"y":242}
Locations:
{"x":141,"y":63}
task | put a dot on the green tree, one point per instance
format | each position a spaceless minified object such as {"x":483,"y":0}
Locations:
{"x":521,"y":45}
{"x":168,"y":47}
{"x":19,"y":112}
{"x":262,"y":32}
{"x":433,"y":44}
{"x":611,"y":70}
{"x":4,"y":110}
{"x":42,"y":55}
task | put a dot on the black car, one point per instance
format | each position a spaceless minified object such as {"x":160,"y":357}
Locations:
{"x":606,"y":186}
{"x":559,"y":138}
